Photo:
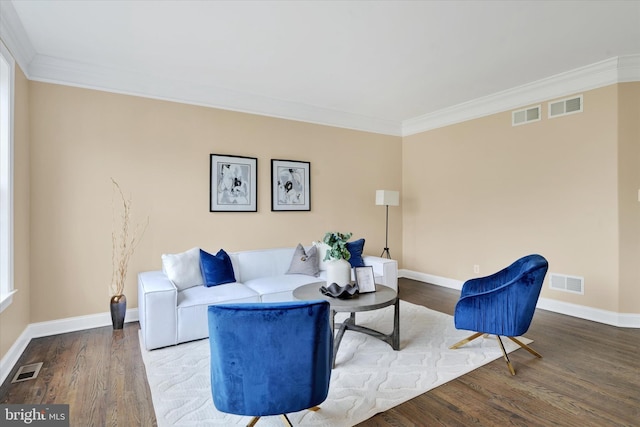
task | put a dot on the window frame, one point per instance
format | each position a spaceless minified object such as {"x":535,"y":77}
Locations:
{"x":7,"y":88}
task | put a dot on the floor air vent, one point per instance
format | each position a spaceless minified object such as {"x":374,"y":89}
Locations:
{"x":562,"y":282}
{"x":27,"y":372}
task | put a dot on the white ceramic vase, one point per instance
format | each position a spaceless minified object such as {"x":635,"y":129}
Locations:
{"x":338,"y":271}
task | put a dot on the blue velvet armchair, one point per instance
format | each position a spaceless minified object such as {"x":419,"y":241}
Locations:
{"x":502,"y":303}
{"x":270,"y":358}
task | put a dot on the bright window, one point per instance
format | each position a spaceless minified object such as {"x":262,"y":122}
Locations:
{"x":6,"y":177}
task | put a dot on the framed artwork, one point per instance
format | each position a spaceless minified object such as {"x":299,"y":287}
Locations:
{"x":365,"y":279}
{"x":233,"y":184}
{"x":290,"y":185}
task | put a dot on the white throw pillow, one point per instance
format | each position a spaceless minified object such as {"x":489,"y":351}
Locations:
{"x":183,"y":269}
{"x":322,"y":252}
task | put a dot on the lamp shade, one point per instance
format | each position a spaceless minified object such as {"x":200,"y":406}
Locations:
{"x":387,"y":197}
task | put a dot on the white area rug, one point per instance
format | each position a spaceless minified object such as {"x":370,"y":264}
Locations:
{"x":370,"y":377}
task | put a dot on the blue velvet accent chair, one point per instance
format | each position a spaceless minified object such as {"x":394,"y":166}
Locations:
{"x":502,"y":303}
{"x":270,"y":358}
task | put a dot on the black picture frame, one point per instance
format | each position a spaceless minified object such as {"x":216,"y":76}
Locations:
{"x":290,"y":185}
{"x":233,"y":183}
{"x":365,"y":279}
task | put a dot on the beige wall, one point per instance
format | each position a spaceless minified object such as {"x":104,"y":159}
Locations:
{"x":15,"y":318}
{"x":159,"y":153}
{"x":484,"y":193}
{"x":479,"y":192}
{"x":629,"y":186}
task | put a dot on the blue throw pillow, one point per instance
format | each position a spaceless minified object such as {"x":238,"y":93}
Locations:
{"x":216,"y":269}
{"x":355,"y":248}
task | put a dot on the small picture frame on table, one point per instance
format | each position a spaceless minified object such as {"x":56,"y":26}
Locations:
{"x":365,"y":279}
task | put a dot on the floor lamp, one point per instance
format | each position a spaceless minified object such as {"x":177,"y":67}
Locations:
{"x":387,"y":198}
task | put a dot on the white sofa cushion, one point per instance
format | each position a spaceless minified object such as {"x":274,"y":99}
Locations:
{"x":201,"y":295}
{"x":284,"y":283}
{"x":192,"y":306}
{"x":183,"y":269}
{"x":262,"y":263}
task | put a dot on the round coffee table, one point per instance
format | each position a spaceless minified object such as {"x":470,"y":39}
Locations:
{"x":384,"y":296}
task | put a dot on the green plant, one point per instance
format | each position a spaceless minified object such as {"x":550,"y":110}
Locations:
{"x":337,"y":245}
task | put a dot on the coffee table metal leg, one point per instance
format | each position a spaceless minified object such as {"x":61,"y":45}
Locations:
{"x":332,"y":320}
{"x":396,"y":325}
{"x":393,"y":339}
{"x":338,"y":339}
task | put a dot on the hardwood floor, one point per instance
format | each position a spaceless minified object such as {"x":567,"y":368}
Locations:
{"x":589,"y":376}
{"x":98,"y":372}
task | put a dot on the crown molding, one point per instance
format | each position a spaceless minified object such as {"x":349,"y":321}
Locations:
{"x":15,"y":37}
{"x":611,"y":71}
{"x":619,"y":69}
{"x":71,"y":73}
{"x":629,"y":68}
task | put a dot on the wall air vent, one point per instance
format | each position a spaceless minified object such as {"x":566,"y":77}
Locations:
{"x":563,"y":282}
{"x":565,"y":106}
{"x":526,"y":115}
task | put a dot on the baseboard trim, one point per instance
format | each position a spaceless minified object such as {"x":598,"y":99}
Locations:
{"x":621,"y":320}
{"x":54,"y":327}
{"x":11,"y":358}
{"x":430,"y":278}
{"x":79,"y":323}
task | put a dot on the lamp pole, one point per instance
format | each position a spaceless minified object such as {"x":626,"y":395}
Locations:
{"x":386,"y":237}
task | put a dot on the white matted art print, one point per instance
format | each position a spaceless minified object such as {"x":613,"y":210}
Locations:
{"x":365,"y":279}
{"x":233,"y":184}
{"x":291,"y":185}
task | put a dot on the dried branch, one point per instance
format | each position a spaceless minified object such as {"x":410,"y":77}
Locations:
{"x":124,"y":241}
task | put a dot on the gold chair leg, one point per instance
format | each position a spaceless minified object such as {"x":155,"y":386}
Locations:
{"x":504,"y":352}
{"x":286,"y":421}
{"x":506,"y":358}
{"x":466,"y":340}
{"x":526,"y":347}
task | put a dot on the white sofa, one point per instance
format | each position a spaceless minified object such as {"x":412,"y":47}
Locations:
{"x":170,"y":315}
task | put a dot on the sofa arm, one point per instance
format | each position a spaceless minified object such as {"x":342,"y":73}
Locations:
{"x":157,"y":306}
{"x":387,"y":268}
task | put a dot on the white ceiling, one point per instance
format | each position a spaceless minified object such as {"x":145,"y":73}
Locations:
{"x":370,"y":65}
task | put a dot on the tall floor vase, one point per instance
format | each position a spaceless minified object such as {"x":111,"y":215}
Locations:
{"x":118,"y":310}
